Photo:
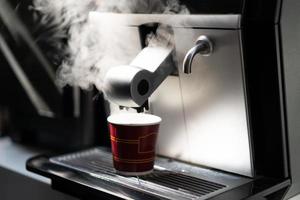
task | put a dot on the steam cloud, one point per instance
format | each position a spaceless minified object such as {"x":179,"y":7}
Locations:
{"x":91,"y":49}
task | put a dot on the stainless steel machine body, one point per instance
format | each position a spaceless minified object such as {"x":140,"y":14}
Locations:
{"x":204,"y":113}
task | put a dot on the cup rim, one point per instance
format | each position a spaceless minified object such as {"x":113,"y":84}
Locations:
{"x":116,"y":119}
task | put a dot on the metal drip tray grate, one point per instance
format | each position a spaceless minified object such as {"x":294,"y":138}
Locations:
{"x":164,"y":183}
{"x":181,"y":182}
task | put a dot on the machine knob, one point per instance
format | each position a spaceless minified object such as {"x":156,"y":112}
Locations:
{"x":204,"y":47}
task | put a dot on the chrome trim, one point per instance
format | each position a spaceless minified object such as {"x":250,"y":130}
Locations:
{"x":203,"y":46}
{"x":228,"y":21}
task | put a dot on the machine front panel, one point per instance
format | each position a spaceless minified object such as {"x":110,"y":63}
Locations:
{"x":204,"y":113}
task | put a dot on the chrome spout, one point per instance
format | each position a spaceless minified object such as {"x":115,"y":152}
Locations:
{"x":203,"y":47}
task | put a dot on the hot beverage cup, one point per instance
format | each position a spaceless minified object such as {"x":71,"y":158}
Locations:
{"x":133,"y":138}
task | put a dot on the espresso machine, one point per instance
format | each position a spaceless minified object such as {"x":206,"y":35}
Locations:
{"x":227,"y":90}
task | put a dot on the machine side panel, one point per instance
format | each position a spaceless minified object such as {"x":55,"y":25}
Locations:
{"x":290,"y":32}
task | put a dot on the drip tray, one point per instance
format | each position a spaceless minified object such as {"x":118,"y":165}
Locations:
{"x":170,"y":179}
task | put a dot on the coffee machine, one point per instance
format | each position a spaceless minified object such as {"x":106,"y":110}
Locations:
{"x":227,"y":93}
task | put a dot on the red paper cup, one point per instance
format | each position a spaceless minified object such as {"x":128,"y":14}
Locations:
{"x":133,"y":138}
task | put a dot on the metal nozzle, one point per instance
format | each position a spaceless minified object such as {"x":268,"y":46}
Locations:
{"x":131,"y":85}
{"x":203,"y":46}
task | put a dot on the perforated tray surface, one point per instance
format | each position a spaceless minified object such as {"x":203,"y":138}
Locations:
{"x":170,"y":179}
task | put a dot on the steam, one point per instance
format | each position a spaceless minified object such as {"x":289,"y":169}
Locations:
{"x":93,"y":48}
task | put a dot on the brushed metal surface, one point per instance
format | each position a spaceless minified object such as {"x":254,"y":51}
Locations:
{"x":204,"y":113}
{"x":167,"y":103}
{"x":229,"y":21}
{"x":290,"y":33}
{"x":204,"y":116}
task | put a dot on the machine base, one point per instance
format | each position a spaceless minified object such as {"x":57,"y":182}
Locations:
{"x":90,"y":173}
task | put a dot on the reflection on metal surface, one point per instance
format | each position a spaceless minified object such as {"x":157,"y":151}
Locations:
{"x":204,"y":113}
{"x":188,"y":21}
{"x":170,"y":179}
